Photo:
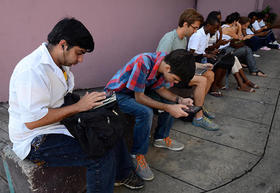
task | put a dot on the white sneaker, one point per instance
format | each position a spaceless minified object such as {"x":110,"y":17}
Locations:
{"x":256,"y":55}
{"x":265,"y":48}
{"x":275,"y":43}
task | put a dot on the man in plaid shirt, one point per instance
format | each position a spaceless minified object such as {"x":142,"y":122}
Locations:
{"x":140,"y":88}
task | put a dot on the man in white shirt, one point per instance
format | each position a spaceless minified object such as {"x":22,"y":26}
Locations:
{"x":199,"y":43}
{"x":37,"y":89}
{"x":189,"y":22}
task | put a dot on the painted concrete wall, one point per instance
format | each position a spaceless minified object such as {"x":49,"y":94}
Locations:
{"x":227,"y":6}
{"x":275,"y":5}
{"x":121,"y":29}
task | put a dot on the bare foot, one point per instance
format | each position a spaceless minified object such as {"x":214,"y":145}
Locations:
{"x":251,"y":84}
{"x":246,"y":89}
{"x":259,"y":73}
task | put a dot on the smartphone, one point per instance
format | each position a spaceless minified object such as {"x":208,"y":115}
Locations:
{"x":110,"y":97}
{"x":193,"y":109}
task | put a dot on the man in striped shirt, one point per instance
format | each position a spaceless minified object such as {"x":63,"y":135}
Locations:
{"x":140,"y":88}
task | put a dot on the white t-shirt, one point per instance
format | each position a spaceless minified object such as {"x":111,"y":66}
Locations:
{"x":36,"y":85}
{"x":199,"y":41}
{"x":256,"y":25}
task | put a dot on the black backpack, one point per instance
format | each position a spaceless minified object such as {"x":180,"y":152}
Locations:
{"x":97,"y":130}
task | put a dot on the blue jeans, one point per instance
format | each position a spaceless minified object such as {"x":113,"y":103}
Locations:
{"x":246,"y":53}
{"x":143,"y":121}
{"x":62,"y":150}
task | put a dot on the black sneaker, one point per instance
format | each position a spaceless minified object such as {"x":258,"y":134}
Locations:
{"x":132,"y":181}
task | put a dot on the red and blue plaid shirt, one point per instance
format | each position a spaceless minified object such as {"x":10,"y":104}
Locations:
{"x":139,"y":73}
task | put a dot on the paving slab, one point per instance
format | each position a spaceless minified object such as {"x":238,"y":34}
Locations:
{"x":262,"y":95}
{"x":267,"y":82}
{"x":262,"y":182}
{"x":4,"y":126}
{"x":276,"y":120}
{"x":271,"y":70}
{"x":269,"y":63}
{"x":162,"y":183}
{"x":236,"y":133}
{"x":241,"y":108}
{"x":5,"y":105}
{"x":2,"y":171}
{"x":203,"y":164}
{"x":4,"y":186}
{"x":4,"y":136}
{"x":4,"y":115}
{"x":273,"y":146}
{"x":265,"y":177}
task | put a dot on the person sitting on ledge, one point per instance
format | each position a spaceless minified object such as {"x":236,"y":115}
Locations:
{"x":37,"y":89}
{"x":189,"y":21}
{"x":232,"y":31}
{"x":140,"y":88}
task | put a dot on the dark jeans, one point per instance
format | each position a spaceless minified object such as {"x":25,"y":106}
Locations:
{"x":257,"y":42}
{"x":62,"y":150}
{"x":143,"y":120}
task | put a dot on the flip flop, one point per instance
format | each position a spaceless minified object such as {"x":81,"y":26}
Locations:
{"x":224,"y":88}
{"x":244,"y":65}
{"x":216,"y":93}
{"x":251,"y":84}
{"x":257,"y":73}
{"x":246,"y":89}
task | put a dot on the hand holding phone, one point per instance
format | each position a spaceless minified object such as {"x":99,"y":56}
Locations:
{"x":208,"y":66}
{"x":193,"y":109}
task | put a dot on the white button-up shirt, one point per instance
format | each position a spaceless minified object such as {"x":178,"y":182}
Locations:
{"x":199,"y":41}
{"x":36,"y":85}
{"x":256,"y":25}
{"x":249,"y":31}
{"x":262,"y":23}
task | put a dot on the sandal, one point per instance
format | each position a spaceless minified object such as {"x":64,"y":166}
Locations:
{"x":247,"y":89}
{"x":216,"y":93}
{"x":244,"y":65}
{"x":259,"y":73}
{"x":249,"y":83}
{"x":224,"y":88}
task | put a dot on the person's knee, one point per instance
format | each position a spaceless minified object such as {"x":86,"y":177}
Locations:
{"x":145,"y":114}
{"x":248,"y":50}
{"x":210,"y":75}
{"x":199,"y":81}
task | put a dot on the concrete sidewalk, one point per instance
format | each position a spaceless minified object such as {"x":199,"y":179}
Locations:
{"x":242,"y":157}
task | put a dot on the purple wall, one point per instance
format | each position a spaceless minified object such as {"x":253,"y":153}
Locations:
{"x":227,"y":7}
{"x":275,"y":5}
{"x":241,"y":6}
{"x":121,"y":29}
